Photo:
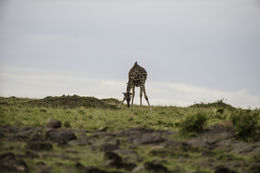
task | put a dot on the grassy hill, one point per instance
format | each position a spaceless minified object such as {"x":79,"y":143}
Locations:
{"x":86,"y":134}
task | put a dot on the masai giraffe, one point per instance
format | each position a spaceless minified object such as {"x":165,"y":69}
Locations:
{"x":136,"y":78}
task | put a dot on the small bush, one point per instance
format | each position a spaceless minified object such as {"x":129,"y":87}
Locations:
{"x":220,"y":110}
{"x":43,"y":110}
{"x":66,"y":124}
{"x":245,"y":123}
{"x":194,"y":123}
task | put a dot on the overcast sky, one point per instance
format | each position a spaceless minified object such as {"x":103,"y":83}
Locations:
{"x":193,"y":50}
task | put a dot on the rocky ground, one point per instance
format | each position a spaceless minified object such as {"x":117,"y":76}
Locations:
{"x":59,"y":148}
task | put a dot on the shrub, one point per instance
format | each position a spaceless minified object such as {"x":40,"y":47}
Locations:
{"x":194,"y":123}
{"x":217,"y":104}
{"x":66,"y":124}
{"x":245,"y":123}
{"x":220,"y":110}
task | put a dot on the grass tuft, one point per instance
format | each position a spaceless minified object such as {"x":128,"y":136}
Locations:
{"x":194,"y":123}
{"x":245,"y":123}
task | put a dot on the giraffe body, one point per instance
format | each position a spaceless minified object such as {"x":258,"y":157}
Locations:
{"x":137,"y":76}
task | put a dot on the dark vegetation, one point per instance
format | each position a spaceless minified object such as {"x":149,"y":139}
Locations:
{"x":71,"y":102}
{"x":194,"y":123}
{"x":86,"y":134}
{"x":245,"y":123}
{"x":217,"y":104}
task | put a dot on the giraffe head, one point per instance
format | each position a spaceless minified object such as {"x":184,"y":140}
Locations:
{"x":127,"y":96}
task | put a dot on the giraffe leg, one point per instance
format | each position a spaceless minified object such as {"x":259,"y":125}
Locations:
{"x":145,"y":96}
{"x":133,"y":95}
{"x":141,"y":95}
{"x":121,"y":102}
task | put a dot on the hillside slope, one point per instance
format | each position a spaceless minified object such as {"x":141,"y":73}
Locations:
{"x":85,"y":134}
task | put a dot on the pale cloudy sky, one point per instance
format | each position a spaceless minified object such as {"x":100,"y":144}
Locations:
{"x":193,"y":50}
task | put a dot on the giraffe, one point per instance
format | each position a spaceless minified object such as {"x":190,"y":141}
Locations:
{"x":136,"y":78}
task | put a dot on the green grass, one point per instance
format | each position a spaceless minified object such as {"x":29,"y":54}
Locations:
{"x":17,"y":111}
{"x":193,"y":119}
{"x":92,"y":118}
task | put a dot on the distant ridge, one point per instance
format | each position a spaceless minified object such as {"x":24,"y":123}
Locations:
{"x":64,"y":101}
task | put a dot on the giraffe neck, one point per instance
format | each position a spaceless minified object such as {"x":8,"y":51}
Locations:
{"x":129,"y":87}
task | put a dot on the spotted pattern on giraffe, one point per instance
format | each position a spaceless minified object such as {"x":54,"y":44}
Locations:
{"x":137,"y":76}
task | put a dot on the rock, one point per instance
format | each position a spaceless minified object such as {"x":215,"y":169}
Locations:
{"x":155,"y":167}
{"x":52,"y":123}
{"x":60,"y":135}
{"x":114,"y":160}
{"x":149,"y":138}
{"x":40,"y":146}
{"x":9,"y":163}
{"x":223,"y":169}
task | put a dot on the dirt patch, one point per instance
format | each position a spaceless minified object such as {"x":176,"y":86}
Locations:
{"x":143,"y":136}
{"x":60,"y":135}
